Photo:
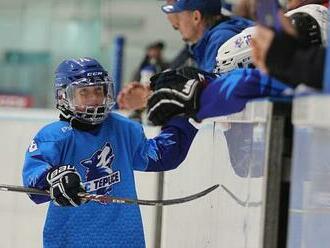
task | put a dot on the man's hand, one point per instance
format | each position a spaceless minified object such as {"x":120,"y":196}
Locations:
{"x":260,"y":46}
{"x":65,"y":184}
{"x":133,"y":96}
{"x":175,"y":92}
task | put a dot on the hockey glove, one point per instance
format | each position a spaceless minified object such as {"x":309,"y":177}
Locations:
{"x":176,"y":92}
{"x":65,"y":184}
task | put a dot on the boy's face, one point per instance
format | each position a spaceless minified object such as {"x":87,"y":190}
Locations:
{"x":91,"y":96}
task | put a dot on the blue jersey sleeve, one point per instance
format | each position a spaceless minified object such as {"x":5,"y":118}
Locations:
{"x":167,"y":150}
{"x":39,"y":158}
{"x":231,"y":91}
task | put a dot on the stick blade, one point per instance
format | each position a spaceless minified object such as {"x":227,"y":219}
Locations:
{"x":179,"y":200}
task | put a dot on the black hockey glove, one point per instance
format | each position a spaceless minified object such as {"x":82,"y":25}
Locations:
{"x":176,"y":92}
{"x":65,"y":184}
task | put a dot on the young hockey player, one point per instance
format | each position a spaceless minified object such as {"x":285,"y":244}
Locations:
{"x":90,"y":149}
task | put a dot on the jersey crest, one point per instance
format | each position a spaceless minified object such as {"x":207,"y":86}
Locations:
{"x":100,"y":176}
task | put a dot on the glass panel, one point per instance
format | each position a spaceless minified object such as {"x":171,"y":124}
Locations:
{"x":310,"y":196}
{"x":39,"y":34}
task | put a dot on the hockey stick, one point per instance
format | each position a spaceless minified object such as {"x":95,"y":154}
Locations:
{"x":240,"y":202}
{"x":105,"y":199}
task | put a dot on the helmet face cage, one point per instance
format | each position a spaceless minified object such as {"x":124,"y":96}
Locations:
{"x":91,"y":114}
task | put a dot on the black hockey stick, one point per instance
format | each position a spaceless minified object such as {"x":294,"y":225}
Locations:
{"x":105,"y":199}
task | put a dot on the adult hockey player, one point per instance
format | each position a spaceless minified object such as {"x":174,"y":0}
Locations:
{"x":205,"y":28}
{"x":94,"y":150}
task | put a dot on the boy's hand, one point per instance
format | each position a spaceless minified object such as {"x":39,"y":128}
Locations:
{"x":65,"y":184}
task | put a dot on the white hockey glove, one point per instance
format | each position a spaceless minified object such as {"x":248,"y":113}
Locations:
{"x":65,"y":184}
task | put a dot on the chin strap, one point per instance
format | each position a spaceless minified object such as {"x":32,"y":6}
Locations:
{"x":75,"y":123}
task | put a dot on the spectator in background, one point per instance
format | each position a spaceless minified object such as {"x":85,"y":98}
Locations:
{"x":152,"y":62}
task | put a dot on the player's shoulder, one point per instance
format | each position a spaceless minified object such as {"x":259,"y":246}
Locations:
{"x":55,"y":131}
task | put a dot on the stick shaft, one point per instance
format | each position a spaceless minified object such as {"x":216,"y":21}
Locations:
{"x":21,"y":189}
{"x":105,"y":199}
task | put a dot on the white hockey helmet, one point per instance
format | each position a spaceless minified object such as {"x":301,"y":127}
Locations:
{"x":235,"y":52}
{"x":311,"y":22}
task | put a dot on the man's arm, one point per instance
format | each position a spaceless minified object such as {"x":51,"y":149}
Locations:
{"x":219,"y":96}
{"x":229,"y":93}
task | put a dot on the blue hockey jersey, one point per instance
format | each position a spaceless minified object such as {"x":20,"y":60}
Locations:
{"x":105,"y":159}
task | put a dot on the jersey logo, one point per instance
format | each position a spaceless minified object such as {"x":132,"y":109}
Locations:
{"x":100,"y":176}
{"x":33,"y":146}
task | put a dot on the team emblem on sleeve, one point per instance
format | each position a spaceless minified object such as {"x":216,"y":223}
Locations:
{"x":33,"y":146}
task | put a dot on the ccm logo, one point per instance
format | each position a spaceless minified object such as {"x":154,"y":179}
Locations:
{"x":94,"y":73}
